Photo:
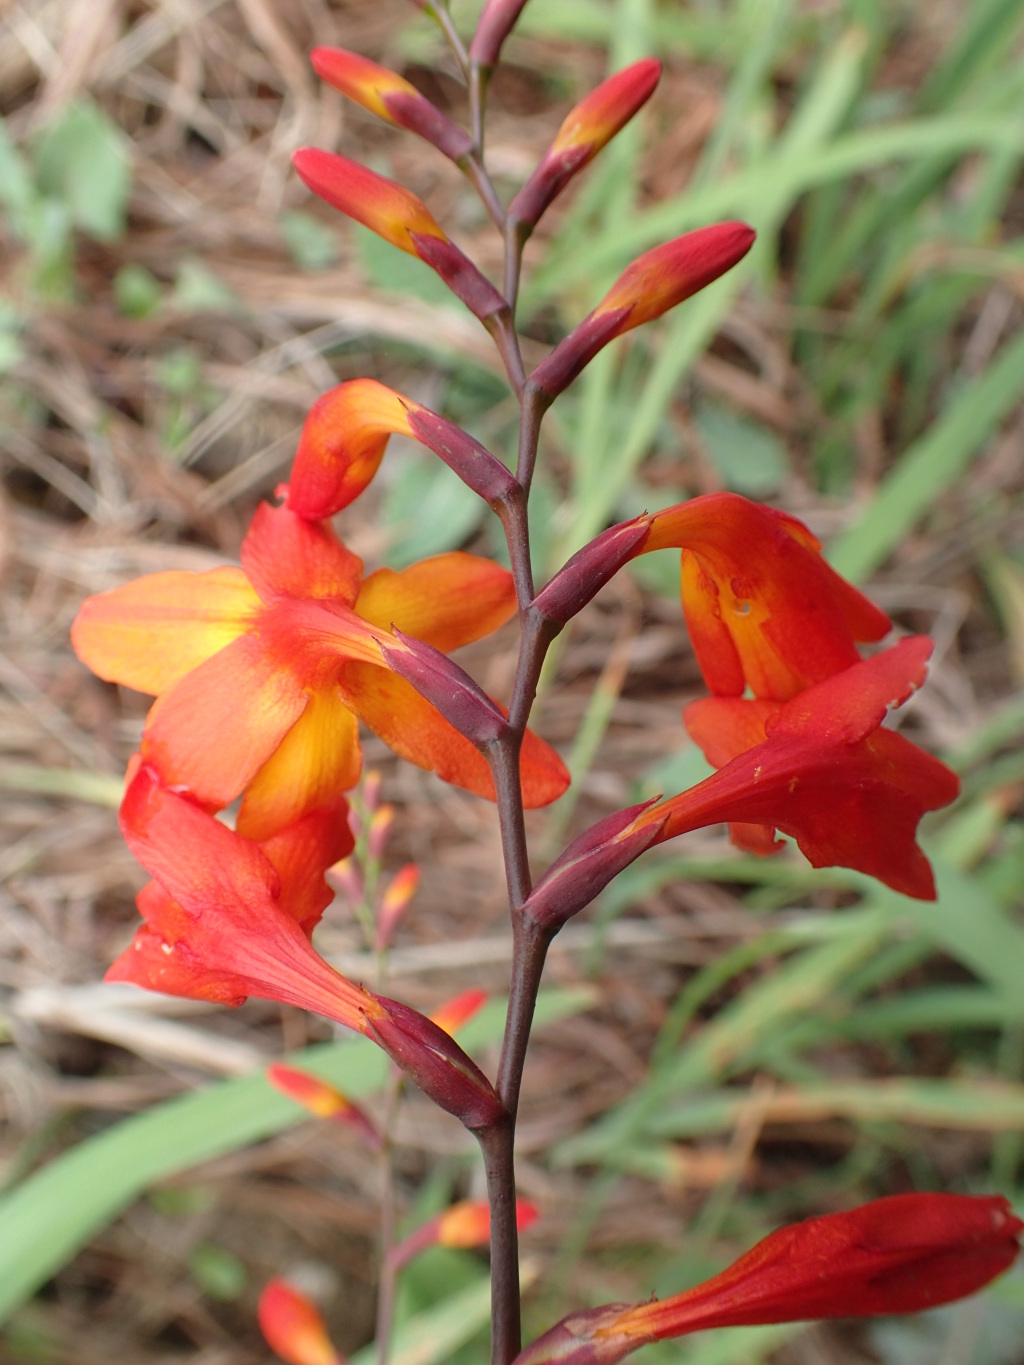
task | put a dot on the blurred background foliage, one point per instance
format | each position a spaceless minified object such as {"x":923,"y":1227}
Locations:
{"x":754,"y":1043}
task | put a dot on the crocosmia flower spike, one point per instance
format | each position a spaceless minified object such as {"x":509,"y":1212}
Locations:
{"x":390,"y":97}
{"x":323,"y":1101}
{"x":654,"y":283}
{"x":897,"y":1255}
{"x":293,"y":1328}
{"x":586,"y":129}
{"x":400,"y":218}
{"x":346,"y":433}
{"x":467,"y":1224}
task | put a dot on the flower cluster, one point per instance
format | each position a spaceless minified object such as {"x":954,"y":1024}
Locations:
{"x":262,"y":673}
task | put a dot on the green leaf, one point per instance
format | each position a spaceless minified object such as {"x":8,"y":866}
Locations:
{"x":82,"y":160}
{"x":198,"y":290}
{"x":218,"y":1272}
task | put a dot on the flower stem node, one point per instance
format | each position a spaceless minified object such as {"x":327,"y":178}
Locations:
{"x":589,"y":863}
{"x":590,"y":568}
{"x":448,"y":688}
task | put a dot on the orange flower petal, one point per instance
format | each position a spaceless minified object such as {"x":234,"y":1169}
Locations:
{"x":285,"y":555}
{"x":319,"y":757}
{"x":388,"y":209}
{"x":457,"y":1012}
{"x":301,"y":852}
{"x":448,"y":601}
{"x":342,"y":444}
{"x":214,"y":730}
{"x":150,"y":633}
{"x":411,"y":726}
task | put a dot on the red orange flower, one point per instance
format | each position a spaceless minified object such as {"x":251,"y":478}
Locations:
{"x":897,"y":1255}
{"x":225,"y":920}
{"x":323,"y":1101}
{"x":261,"y":672}
{"x":819,"y":768}
{"x":763,"y":608}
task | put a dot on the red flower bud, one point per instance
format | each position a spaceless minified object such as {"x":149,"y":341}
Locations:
{"x":323,"y":1101}
{"x":587,"y":128}
{"x":390,"y":97}
{"x":650,"y":286}
{"x":448,"y":688}
{"x":293,"y":1327}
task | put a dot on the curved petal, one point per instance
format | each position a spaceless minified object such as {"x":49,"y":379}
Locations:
{"x":301,"y":853}
{"x":214,"y":730}
{"x":448,"y":601}
{"x":284,"y":555}
{"x":342,"y":444}
{"x":319,"y":757}
{"x":150,"y":633}
{"x":411,"y":726}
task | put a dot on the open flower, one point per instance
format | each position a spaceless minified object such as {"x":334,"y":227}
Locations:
{"x":261,"y":672}
{"x":226,"y":919}
{"x":897,"y":1255}
{"x":763,"y":608}
{"x":817,"y":767}
{"x":820,"y":768}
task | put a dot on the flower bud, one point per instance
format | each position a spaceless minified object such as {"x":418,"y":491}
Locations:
{"x":448,"y":688}
{"x":293,"y":1327}
{"x":321,"y":1100}
{"x":390,"y":97}
{"x":394,"y":903}
{"x":650,"y":286}
{"x":586,"y":129}
{"x":459,"y":1010}
{"x":589,"y":863}
{"x":495,"y":24}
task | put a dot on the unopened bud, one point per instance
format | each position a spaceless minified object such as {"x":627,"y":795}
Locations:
{"x":589,"y":863}
{"x":481,"y":471}
{"x":448,"y":688}
{"x":495,"y":24}
{"x":587,"y":128}
{"x":390,"y":97}
{"x":293,"y":1328}
{"x":377,"y":835}
{"x":650,"y":286}
{"x":394,"y":903}
{"x":457,"y":1012}
{"x":321,"y":1100}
